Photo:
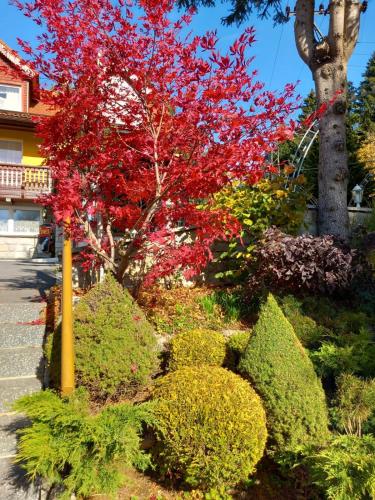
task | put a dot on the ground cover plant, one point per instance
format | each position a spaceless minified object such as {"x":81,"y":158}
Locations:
{"x":345,"y":470}
{"x":283,"y":375}
{"x":77,"y":451}
{"x":211,"y":427}
{"x":180,"y":309}
{"x":338,"y":333}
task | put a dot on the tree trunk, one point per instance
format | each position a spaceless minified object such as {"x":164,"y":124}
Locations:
{"x":327,"y":57}
{"x":330,"y":83}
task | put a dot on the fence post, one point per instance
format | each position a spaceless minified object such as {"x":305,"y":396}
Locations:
{"x":67,"y":343}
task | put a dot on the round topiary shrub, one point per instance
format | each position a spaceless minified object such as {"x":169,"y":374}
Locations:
{"x":115,"y":345}
{"x":284,"y":377}
{"x":236,"y":345}
{"x":211,"y":427}
{"x":197,"y":347}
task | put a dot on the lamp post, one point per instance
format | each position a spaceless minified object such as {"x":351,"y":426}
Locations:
{"x":357,"y":195}
{"x":67,"y":344}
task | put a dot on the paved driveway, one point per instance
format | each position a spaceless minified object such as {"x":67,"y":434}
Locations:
{"x":25,"y":280}
{"x":23,"y":286}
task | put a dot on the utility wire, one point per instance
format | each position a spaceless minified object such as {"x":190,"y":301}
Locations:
{"x":276,"y":54}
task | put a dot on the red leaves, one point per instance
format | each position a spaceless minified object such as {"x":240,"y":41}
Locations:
{"x":323,"y":108}
{"x":150,"y":124}
{"x":209,"y":41}
{"x":34,"y":322}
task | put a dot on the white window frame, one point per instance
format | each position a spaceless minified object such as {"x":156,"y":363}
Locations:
{"x":20,"y":96}
{"x":22,"y":149}
{"x":11,"y":209}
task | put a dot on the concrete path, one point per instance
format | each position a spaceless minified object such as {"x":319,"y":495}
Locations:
{"x":23,"y":286}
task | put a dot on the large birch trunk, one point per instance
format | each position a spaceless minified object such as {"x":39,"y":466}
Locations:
{"x":330,"y":84}
{"x":328,"y":58}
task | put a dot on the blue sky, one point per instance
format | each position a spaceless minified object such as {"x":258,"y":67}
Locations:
{"x":276,"y":60}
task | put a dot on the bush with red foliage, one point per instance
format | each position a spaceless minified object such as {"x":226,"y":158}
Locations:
{"x":149,"y":122}
{"x":304,"y":263}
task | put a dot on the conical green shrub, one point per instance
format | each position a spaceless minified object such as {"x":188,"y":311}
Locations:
{"x":115,"y":344}
{"x":284,"y":377}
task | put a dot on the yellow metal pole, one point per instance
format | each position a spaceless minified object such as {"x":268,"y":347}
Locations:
{"x":67,"y":344}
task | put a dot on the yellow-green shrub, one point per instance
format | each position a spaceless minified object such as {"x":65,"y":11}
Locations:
{"x":197,"y":347}
{"x":258,"y":207}
{"x":236,"y":345}
{"x":211,"y":426}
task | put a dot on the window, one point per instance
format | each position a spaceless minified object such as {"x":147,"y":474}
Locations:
{"x":26,"y":221}
{"x":4,"y":216}
{"x":10,"y":151}
{"x":10,"y":98}
{"x":20,"y":221}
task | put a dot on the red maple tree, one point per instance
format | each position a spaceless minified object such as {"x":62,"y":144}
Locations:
{"x":151,"y":122}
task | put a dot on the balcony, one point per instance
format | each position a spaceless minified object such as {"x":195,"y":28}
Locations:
{"x":24,"y":181}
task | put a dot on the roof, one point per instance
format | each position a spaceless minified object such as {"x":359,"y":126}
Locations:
{"x":17,"y":119}
{"x":12,"y":56}
{"x":15,"y":60}
{"x":36,"y":107}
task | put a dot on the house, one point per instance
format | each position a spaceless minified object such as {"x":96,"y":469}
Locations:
{"x":23,"y":176}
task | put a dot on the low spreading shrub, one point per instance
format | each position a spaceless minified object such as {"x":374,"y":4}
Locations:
{"x":76,"y":451}
{"x":355,"y":402}
{"x":338,"y":334}
{"x":346,"y":469}
{"x":348,"y":321}
{"x":197,"y":347}
{"x":330,"y":360}
{"x":115,"y":345}
{"x":348,"y":353}
{"x":283,"y":375}
{"x":211,"y":427}
{"x":304,"y":264}
{"x":307,"y":330}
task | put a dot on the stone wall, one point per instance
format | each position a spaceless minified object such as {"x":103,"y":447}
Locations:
{"x":357,"y":217}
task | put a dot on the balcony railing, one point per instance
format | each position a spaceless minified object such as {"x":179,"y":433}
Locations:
{"x":24,"y":181}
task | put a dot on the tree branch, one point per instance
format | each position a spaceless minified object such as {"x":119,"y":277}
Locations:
{"x":304,"y":30}
{"x":336,"y":27}
{"x":108,"y":230}
{"x":94,"y":243}
{"x":352,"y":22}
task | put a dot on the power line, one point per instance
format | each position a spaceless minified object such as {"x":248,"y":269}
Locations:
{"x":276,"y":54}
